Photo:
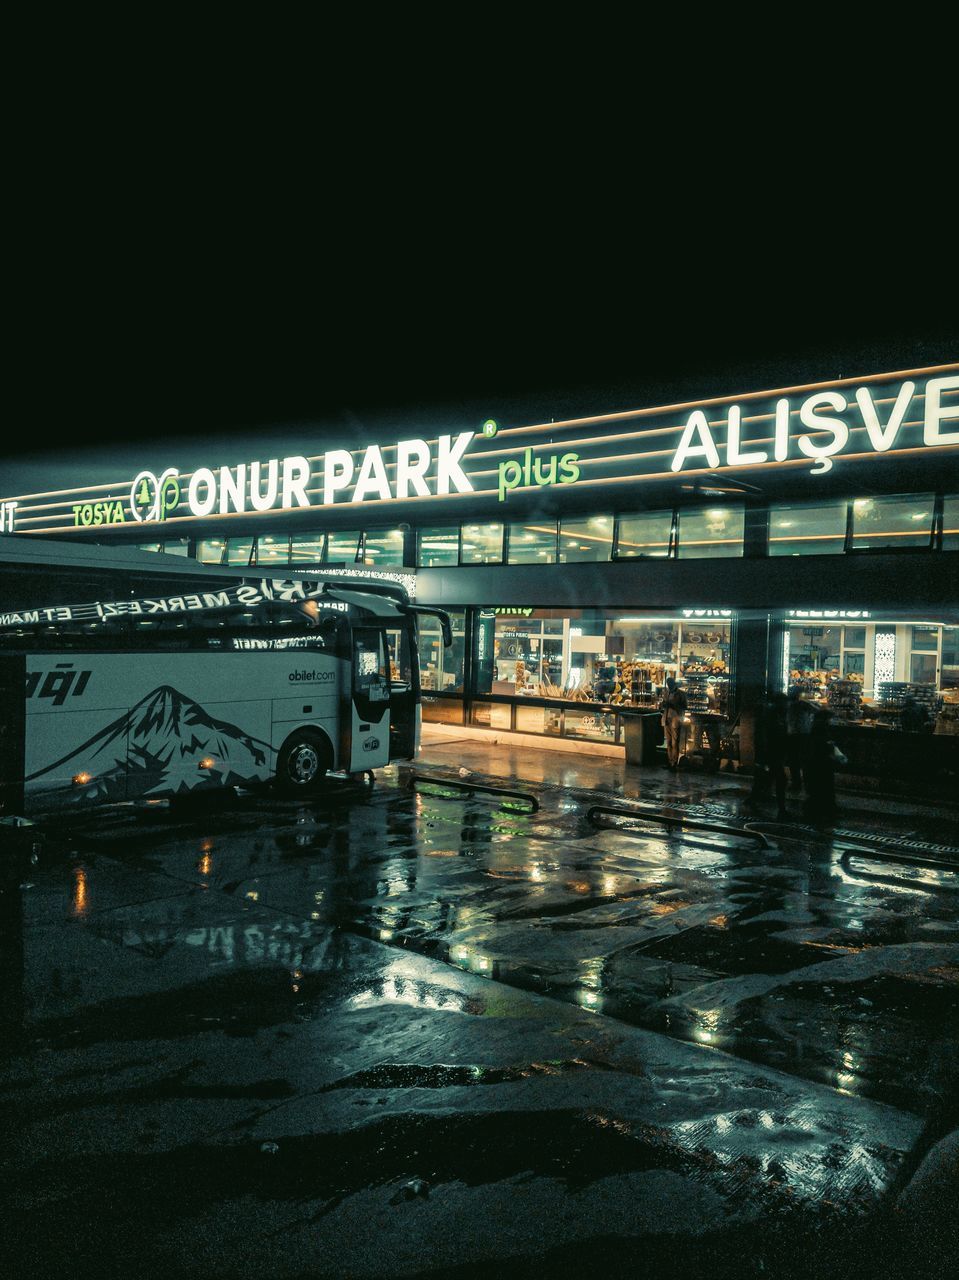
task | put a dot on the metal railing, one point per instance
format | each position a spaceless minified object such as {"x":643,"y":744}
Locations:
{"x":415,"y":780}
{"x":670,"y":820}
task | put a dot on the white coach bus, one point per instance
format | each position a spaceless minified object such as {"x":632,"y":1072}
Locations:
{"x":269,"y":680}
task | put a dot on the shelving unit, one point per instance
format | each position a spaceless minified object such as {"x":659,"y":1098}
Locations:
{"x":697,"y":697}
{"x":893,"y":693}
{"x":845,"y":698}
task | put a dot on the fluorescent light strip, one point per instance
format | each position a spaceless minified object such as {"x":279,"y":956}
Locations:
{"x":618,"y":417}
{"x":485,"y":493}
{"x":631,"y":458}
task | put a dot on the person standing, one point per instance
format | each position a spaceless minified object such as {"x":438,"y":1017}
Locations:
{"x":820,"y":771}
{"x":673,"y":708}
{"x":776,"y":740}
{"x":799,"y":718}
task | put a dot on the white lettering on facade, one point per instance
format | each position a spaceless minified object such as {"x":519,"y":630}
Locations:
{"x":338,"y":471}
{"x":883,"y":438}
{"x":448,"y":469}
{"x":372,"y":478}
{"x":697,"y":428}
{"x":296,"y":475}
{"x":259,"y":500}
{"x":828,"y":427}
{"x":202,"y":506}
{"x":822,"y":453}
{"x":412,"y":463}
{"x":932,"y":434}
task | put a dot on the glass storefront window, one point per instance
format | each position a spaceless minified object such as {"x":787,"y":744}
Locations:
{"x":711,"y":531}
{"x":532,"y":543}
{"x":925,"y":638}
{"x":383,"y":547}
{"x":307,"y":548}
{"x":483,"y":543}
{"x":442,"y":670}
{"x":922,"y":668}
{"x":589,"y":539}
{"x":341,"y":547}
{"x":893,"y":523}
{"x":436,"y":547}
{"x":273,"y":548}
{"x":949,"y":672}
{"x":644,"y":534}
{"x":600,"y":656}
{"x":177,"y":547}
{"x":150,"y":546}
{"x":807,"y":530}
{"x":950,"y":522}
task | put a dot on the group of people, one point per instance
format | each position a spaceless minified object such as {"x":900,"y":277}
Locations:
{"x":794,"y":735}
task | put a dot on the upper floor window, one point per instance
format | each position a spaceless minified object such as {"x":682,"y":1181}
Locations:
{"x":532,"y":542}
{"x":807,"y":530}
{"x":588,"y":539}
{"x":711,"y":531}
{"x":435,"y":547}
{"x":645,"y":534}
{"x":383,"y":547}
{"x":307,"y":548}
{"x":273,"y":548}
{"x":341,"y":547}
{"x":482,"y":543}
{"x":892,"y":523}
{"x":950,"y":522}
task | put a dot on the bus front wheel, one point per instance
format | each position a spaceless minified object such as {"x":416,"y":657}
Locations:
{"x":304,"y":760}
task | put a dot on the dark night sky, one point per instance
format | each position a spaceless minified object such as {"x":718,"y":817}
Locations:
{"x":119,"y":365}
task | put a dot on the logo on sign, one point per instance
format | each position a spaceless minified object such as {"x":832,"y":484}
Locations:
{"x":154,"y":497}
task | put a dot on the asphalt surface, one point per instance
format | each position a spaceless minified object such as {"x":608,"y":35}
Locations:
{"x":417,"y":1030}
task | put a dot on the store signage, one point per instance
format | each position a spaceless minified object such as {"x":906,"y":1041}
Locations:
{"x":510,"y":612}
{"x":538,"y":471}
{"x":829,"y":613}
{"x":828,"y":417}
{"x":811,"y":427}
{"x":707,"y":613}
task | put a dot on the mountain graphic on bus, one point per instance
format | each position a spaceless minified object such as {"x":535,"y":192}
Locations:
{"x":154,"y":749}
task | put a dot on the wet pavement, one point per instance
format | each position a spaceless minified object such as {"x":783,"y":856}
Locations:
{"x":409,"y":1030}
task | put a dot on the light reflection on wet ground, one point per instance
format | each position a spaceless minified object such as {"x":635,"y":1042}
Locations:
{"x":836,"y":972}
{"x":249,"y":922}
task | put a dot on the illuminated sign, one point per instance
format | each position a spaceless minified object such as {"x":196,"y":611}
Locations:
{"x":829,"y":613}
{"x":537,"y":471}
{"x":154,"y":497}
{"x":911,"y":413}
{"x":828,"y":417}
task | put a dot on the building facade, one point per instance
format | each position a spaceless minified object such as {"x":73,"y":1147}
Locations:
{"x":804,"y":537}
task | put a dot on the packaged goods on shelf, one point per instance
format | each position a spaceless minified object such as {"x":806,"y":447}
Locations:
{"x":845,"y":698}
{"x":706,"y":693}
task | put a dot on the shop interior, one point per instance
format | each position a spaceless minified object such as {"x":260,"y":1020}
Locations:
{"x":884,"y":674}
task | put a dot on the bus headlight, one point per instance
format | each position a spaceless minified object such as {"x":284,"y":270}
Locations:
{"x":206,"y":763}
{"x":81,"y":779}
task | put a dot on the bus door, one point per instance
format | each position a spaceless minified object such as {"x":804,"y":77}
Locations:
{"x":370,"y":702}
{"x":12,"y":729}
{"x":404,"y":690}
